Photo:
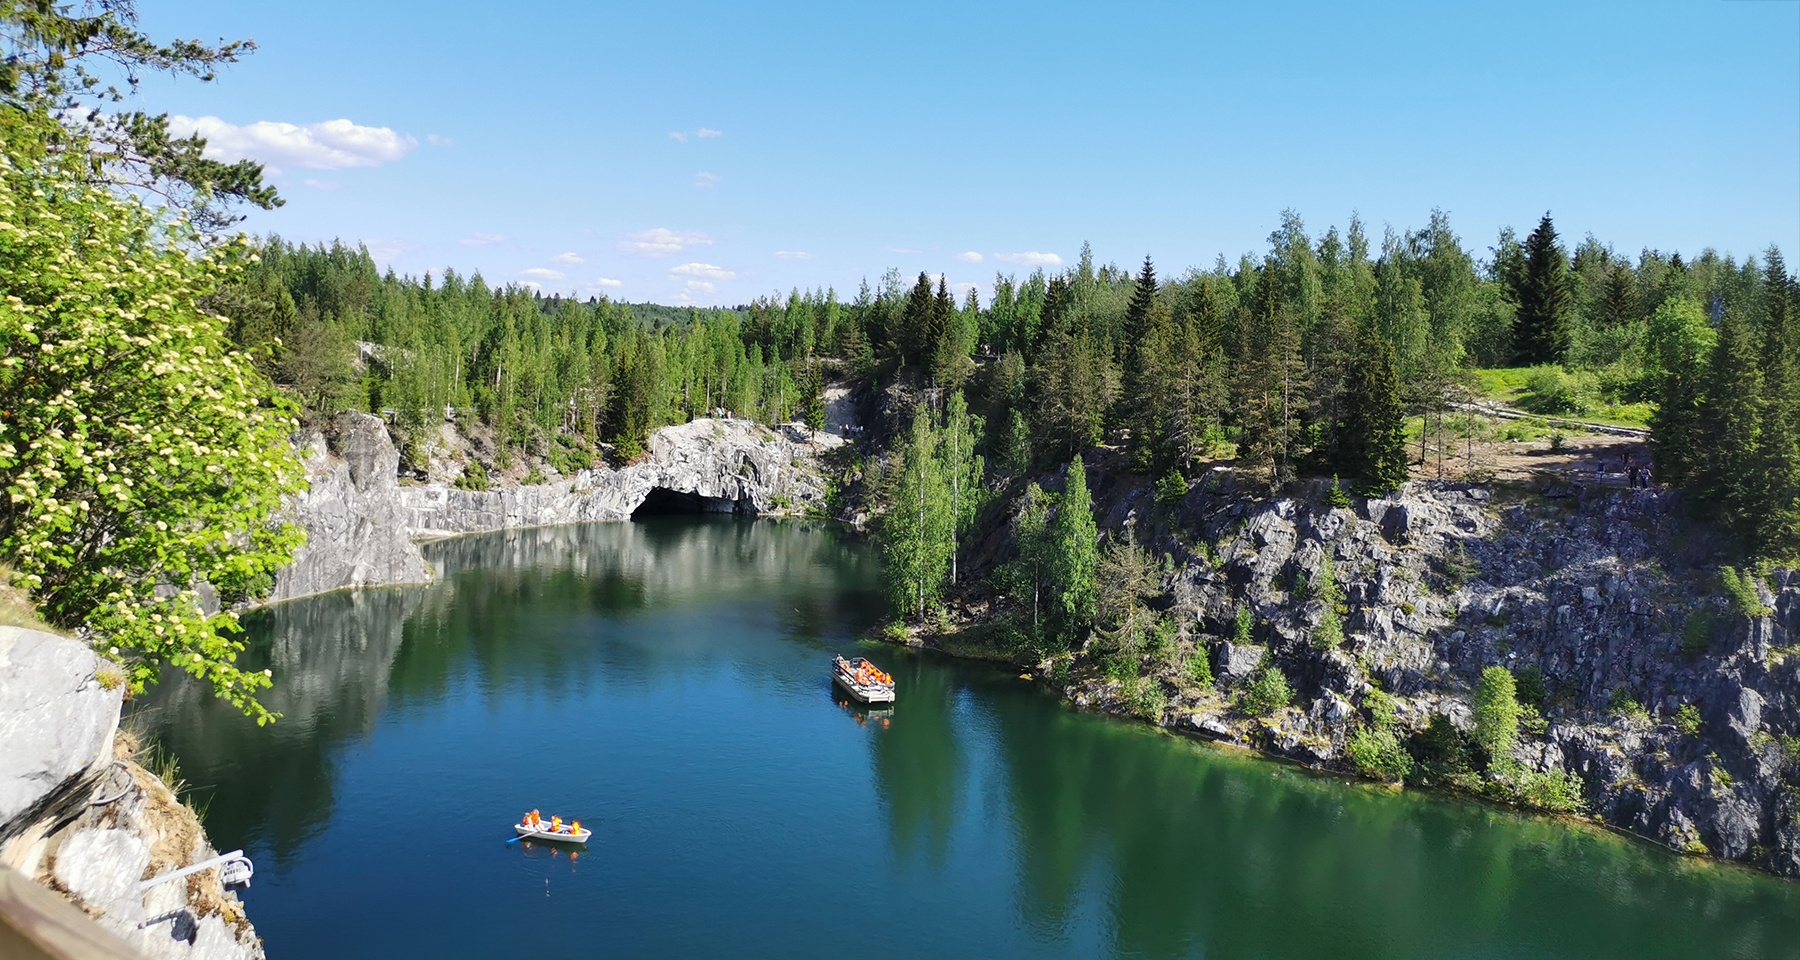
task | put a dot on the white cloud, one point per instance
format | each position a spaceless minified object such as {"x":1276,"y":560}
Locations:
{"x":386,"y":252}
{"x":792,"y":255}
{"x":438,"y":141}
{"x":609,"y":283}
{"x":1030,"y":259}
{"x":678,"y":135}
{"x":332,"y":145}
{"x":479,"y":239}
{"x":571,"y":258}
{"x":322,"y":184}
{"x":961,"y":290}
{"x":699,"y":286}
{"x":706,"y":134}
{"x":902,"y":249}
{"x":542,"y":273}
{"x":532,"y":285}
{"x":704,"y":179}
{"x":703,"y":271}
{"x":661,"y":242}
{"x":969,"y":256}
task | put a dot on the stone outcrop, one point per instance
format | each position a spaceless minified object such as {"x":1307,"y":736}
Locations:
{"x":1608,"y":593}
{"x":362,"y":523}
{"x":356,"y":525}
{"x":86,"y":821}
{"x":57,"y":717}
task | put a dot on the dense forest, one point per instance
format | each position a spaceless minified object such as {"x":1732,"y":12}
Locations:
{"x":1327,"y":356}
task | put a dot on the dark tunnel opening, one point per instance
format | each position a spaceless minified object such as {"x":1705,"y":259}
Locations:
{"x":663,"y":502}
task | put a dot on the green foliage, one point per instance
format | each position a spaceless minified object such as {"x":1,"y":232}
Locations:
{"x":1126,"y":577}
{"x":136,"y":447}
{"x":1330,"y":593}
{"x":1376,"y":752}
{"x":1741,"y":587}
{"x":534,"y":477}
{"x":1171,"y":487}
{"x":1381,"y":708}
{"x":1337,"y":496}
{"x":1540,"y":286}
{"x":1199,"y":668}
{"x":1558,"y":791}
{"x":1370,"y":437}
{"x":1697,"y":632}
{"x":474,"y":477}
{"x":1443,"y":756}
{"x":1243,"y":626}
{"x":1626,"y":706}
{"x":1268,"y":692}
{"x":1687,"y":719}
{"x":1075,"y":557}
{"x":1553,"y":390}
{"x":916,"y":533}
{"x":1529,"y":687}
{"x":1496,"y":713}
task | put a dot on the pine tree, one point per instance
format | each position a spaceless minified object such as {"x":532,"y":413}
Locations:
{"x":1541,"y":290}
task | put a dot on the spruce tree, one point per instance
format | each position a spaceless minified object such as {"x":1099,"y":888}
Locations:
{"x":1730,"y":428}
{"x":1681,"y":342}
{"x":1541,"y":290}
{"x":1776,"y":487}
{"x":1372,"y":433}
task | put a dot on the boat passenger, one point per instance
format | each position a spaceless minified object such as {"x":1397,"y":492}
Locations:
{"x":575,"y":827}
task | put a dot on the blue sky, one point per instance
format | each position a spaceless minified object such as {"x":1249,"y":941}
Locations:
{"x":713,"y":152}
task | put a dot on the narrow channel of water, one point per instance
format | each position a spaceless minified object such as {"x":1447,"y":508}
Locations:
{"x":667,"y":683}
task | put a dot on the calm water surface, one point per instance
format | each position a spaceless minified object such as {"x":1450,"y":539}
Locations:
{"x":666,"y":682}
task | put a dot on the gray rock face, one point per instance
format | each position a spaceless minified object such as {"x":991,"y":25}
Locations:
{"x":362,"y":524}
{"x":356,"y":526}
{"x":56,"y":719}
{"x":1607,"y":593}
{"x":57,"y":725}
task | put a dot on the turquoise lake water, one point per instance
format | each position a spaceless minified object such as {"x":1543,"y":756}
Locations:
{"x":667,"y":682}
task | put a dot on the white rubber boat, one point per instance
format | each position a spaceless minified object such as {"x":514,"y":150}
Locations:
{"x":862,"y":680}
{"x":543,"y":832}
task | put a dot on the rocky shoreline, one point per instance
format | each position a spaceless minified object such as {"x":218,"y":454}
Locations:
{"x":1677,"y":710}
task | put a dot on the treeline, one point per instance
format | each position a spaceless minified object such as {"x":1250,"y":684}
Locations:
{"x":552,"y":375}
{"x":1320,"y":356}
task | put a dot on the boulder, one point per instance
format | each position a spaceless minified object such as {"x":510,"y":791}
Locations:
{"x":57,"y":718}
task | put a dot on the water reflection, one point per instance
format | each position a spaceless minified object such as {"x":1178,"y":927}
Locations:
{"x":1000,"y":822}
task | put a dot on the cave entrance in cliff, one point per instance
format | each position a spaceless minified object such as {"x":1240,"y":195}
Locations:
{"x":663,"y":502}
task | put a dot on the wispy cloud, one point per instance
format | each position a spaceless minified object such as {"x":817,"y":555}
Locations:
{"x":792,"y":255}
{"x":662,"y":242}
{"x":707,"y":134}
{"x":1030,"y":259}
{"x":704,"y":179}
{"x":332,"y":145}
{"x":386,"y":252}
{"x":541,"y":273}
{"x":609,"y":283}
{"x":703,"y":271}
{"x":479,"y":239}
{"x":678,"y":135}
{"x":571,"y":258}
{"x":969,"y":256}
{"x":903,"y":250}
{"x":704,"y":133}
{"x":438,"y":141}
{"x":322,"y":184}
